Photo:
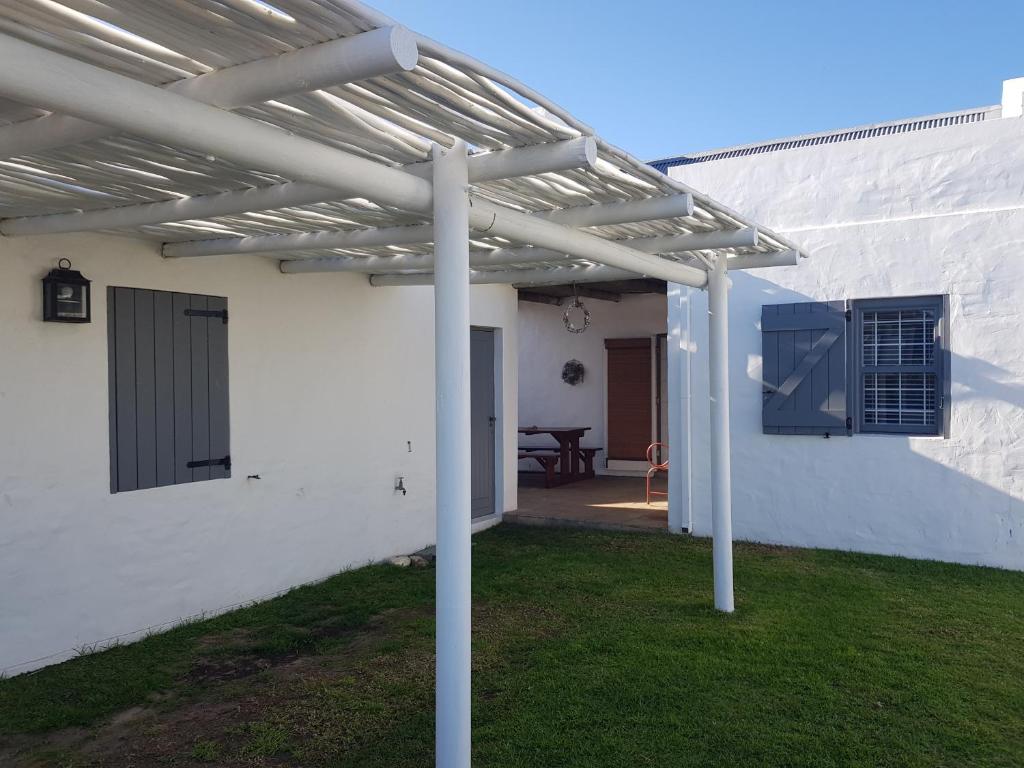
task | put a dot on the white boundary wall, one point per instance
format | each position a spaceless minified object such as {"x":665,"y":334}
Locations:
{"x":329,"y":379}
{"x":935,"y":211}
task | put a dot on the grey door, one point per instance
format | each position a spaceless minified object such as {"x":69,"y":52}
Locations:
{"x":482,"y":418}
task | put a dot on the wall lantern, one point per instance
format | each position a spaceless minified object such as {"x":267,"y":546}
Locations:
{"x":66,"y":295}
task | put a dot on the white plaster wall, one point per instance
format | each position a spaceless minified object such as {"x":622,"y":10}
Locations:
{"x":936,"y":211}
{"x":328,"y":380}
{"x":545,"y":346}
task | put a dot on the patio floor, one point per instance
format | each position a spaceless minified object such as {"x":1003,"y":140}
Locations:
{"x":605,"y":502}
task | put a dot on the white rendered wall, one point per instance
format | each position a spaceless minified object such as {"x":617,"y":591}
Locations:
{"x":545,"y":346}
{"x":329,"y":379}
{"x":937,"y":211}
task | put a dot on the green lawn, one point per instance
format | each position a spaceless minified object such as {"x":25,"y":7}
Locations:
{"x":590,"y":649}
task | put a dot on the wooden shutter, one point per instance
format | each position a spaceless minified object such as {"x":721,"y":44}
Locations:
{"x":629,"y":398}
{"x":804,"y":353}
{"x":168,"y":365}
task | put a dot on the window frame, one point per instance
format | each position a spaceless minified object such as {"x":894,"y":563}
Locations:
{"x":940,"y":367}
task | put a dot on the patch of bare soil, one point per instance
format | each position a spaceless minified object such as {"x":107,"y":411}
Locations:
{"x":210,"y":730}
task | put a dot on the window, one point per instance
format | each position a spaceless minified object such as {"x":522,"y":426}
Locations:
{"x":899,"y":365}
{"x":870,"y":365}
{"x":168,"y":378}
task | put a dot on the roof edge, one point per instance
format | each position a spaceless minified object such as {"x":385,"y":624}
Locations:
{"x":872,"y":130}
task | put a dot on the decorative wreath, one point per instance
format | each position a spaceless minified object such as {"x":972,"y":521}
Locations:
{"x":572,"y":372}
{"x":570,"y":326}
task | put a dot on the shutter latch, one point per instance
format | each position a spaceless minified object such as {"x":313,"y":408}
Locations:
{"x":221,"y":313}
{"x":849,"y":315}
{"x":225,"y":462}
{"x":849,"y":423}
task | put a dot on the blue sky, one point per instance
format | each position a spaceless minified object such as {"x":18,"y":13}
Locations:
{"x":661,"y":78}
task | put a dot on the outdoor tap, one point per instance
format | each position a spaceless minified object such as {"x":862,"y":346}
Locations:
{"x":400,"y":485}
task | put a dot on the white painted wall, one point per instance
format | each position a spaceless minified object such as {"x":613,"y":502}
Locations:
{"x":937,"y":211}
{"x":545,"y":346}
{"x":328,"y":380}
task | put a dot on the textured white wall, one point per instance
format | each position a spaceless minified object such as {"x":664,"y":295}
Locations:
{"x":328,"y":380}
{"x":545,"y":346}
{"x":936,"y":211}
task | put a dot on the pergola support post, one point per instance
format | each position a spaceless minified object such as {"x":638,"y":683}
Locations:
{"x":721,"y":473}
{"x":679,"y":424}
{"x":453,"y":460}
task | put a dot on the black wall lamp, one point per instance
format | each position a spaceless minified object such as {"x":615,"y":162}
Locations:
{"x":66,"y":295}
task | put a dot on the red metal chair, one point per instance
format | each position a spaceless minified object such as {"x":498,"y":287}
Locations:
{"x":656,"y":467}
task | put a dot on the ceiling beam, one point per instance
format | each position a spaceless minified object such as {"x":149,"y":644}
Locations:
{"x":361,"y":238}
{"x":59,"y":83}
{"x":517,"y":277}
{"x":540,"y":298}
{"x":575,"y":153}
{"x":381,"y":51}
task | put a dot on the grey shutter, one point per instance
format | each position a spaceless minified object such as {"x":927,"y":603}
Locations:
{"x":804,"y":353}
{"x":168,"y":388}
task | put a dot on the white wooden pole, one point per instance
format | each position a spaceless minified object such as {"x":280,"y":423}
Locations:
{"x":721,"y":481}
{"x":679,"y":425}
{"x":451,"y":330}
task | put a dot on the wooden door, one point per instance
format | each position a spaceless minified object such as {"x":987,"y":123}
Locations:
{"x":629,"y":398}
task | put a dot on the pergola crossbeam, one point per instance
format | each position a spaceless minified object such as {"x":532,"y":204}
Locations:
{"x":579,"y":153}
{"x":380,"y":51}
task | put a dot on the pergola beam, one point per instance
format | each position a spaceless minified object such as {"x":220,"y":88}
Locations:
{"x":495,"y":258}
{"x":575,"y":153}
{"x":361,"y":238}
{"x":62,"y":84}
{"x":517,"y":277}
{"x":380,"y":51}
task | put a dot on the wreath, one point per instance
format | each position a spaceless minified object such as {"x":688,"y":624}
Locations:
{"x":572,"y":372}
{"x":570,"y":326}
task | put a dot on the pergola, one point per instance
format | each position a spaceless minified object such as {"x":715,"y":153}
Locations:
{"x":321,"y":134}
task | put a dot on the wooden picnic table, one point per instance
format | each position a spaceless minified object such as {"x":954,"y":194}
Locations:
{"x":568,"y":439}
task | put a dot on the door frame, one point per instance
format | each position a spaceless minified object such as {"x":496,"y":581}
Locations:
{"x":500,"y":426}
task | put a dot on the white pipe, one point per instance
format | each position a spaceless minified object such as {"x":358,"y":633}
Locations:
{"x":651,"y":209}
{"x":488,"y":166}
{"x":760,"y":260}
{"x":525,"y":161}
{"x":517,"y":277}
{"x":609,"y":213}
{"x":721,"y":472}
{"x":495,"y":258}
{"x":454,"y":457}
{"x":679,"y":418}
{"x":303,"y":241}
{"x":349,"y":59}
{"x":61,"y":84}
{"x":485,"y":216}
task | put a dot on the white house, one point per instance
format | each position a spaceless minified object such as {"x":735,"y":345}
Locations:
{"x":204,"y":399}
{"x":915,"y":228}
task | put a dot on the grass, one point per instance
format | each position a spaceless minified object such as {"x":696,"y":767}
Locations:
{"x":590,"y":649}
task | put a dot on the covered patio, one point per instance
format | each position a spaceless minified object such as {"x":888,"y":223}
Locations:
{"x":604,"y":502}
{"x":327,"y":138}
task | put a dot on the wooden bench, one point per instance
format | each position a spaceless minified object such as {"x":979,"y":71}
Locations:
{"x":548,"y":461}
{"x":587,"y":455}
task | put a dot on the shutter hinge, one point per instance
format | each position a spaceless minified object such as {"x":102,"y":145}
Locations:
{"x":849,"y":315}
{"x":225,"y":462}
{"x":221,"y":313}
{"x":849,"y":423}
